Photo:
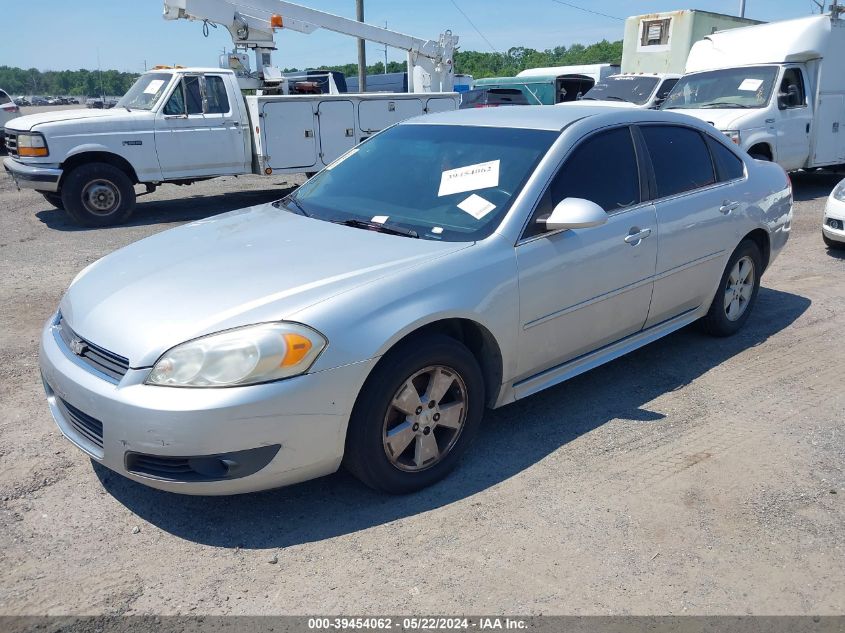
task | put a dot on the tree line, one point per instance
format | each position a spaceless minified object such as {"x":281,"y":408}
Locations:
{"x":19,"y":81}
{"x":508,"y":64}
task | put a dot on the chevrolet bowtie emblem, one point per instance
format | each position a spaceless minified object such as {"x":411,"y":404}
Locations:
{"x":77,"y":346}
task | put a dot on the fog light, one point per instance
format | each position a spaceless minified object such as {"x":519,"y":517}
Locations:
{"x":835,"y":224}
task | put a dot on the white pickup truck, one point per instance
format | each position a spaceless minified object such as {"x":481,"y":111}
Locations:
{"x":181,"y":125}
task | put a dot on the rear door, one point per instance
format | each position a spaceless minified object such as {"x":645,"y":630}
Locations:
{"x":584,"y":288}
{"x":696,"y":207}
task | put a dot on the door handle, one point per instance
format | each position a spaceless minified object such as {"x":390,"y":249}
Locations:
{"x":728,"y":206}
{"x":635,"y":238}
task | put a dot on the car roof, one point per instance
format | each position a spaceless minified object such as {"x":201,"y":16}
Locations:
{"x":544,"y":117}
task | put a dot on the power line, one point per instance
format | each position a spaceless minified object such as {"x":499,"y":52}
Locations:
{"x":575,"y":6}
{"x":472,"y":24}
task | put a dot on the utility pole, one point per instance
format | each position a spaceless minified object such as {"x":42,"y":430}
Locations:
{"x":362,"y":50}
{"x":742,"y":8}
{"x":385,"y":50}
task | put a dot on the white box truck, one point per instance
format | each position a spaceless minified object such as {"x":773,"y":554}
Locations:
{"x":777,"y":90}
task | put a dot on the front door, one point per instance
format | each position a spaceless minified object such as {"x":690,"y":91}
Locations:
{"x":582,"y":289}
{"x":793,"y":122}
{"x":191,"y":141}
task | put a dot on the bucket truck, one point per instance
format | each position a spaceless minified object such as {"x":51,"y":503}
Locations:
{"x":181,"y":125}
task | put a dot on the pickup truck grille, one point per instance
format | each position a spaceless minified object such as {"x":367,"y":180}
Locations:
{"x":11,"y":143}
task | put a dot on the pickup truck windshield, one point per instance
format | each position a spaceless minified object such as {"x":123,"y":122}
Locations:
{"x":744,"y":87}
{"x":146,"y":92}
{"x":439,"y":182}
{"x":631,"y":89}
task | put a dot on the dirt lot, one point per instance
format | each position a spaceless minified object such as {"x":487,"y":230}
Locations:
{"x":696,"y":476}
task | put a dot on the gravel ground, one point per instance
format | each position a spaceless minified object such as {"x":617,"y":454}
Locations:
{"x":695,"y":476}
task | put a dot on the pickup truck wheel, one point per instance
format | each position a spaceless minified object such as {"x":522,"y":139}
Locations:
{"x":737,"y":291}
{"x":416,"y":415}
{"x":98,"y":194}
{"x":53,"y":198}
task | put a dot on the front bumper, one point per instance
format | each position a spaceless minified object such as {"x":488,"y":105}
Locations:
{"x":305,"y":416}
{"x":835,"y":210}
{"x":31,"y":176}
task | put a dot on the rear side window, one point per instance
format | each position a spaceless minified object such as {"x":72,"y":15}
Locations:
{"x":215,"y":90}
{"x":602,"y":169}
{"x":728,"y":165}
{"x":680,"y":158}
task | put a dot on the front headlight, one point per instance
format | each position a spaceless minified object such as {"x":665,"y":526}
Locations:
{"x":839,"y":191}
{"x":32,"y":144}
{"x":734,"y":135}
{"x":243,"y":356}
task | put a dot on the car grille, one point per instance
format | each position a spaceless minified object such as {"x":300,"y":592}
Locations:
{"x":88,"y":427}
{"x":102,"y":360}
{"x":11,"y":143}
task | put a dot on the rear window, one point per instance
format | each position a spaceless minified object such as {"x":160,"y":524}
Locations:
{"x":680,"y":158}
{"x":728,"y":165}
{"x":218,"y":102}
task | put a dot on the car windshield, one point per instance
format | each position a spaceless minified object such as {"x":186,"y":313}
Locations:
{"x":440,"y":182}
{"x":624,"y":88}
{"x":746,"y":87}
{"x":146,"y":92}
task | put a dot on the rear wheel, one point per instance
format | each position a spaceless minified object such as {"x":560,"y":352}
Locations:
{"x":416,"y":415}
{"x":98,"y":194}
{"x":53,"y":198}
{"x":737,"y":291}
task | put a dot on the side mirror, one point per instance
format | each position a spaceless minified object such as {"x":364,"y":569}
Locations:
{"x":573,"y":213}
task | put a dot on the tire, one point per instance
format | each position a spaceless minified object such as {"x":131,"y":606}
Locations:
{"x":98,"y":194}
{"x":53,"y":198}
{"x":384,"y":464}
{"x":719,"y":320}
{"x":832,"y":243}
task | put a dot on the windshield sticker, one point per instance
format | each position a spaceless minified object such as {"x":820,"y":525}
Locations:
{"x":380,"y":219}
{"x":750,"y":85}
{"x":476,"y":206}
{"x":154,"y":87}
{"x":469,"y":178}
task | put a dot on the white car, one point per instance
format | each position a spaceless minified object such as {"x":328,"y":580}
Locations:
{"x":833,"y":225}
{"x":8,"y":110}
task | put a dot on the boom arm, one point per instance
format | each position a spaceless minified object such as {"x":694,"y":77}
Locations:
{"x":430,"y":67}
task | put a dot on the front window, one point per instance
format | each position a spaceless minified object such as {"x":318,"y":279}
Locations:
{"x":747,"y":87}
{"x":439,"y":182}
{"x":146,"y":92}
{"x":631,"y":89}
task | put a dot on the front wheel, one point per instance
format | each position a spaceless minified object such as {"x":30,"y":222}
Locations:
{"x":737,"y":291}
{"x":416,"y":415}
{"x":98,"y":194}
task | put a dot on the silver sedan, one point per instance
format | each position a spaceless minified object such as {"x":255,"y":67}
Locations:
{"x":452,"y":263}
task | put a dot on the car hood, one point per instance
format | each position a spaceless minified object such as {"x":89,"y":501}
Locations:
{"x":720,"y":118}
{"x":28,"y":122}
{"x":249,"y":266}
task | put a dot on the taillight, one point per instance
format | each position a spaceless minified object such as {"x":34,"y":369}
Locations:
{"x":11,"y":108}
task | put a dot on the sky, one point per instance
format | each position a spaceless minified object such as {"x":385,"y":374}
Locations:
{"x":128,"y":35}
